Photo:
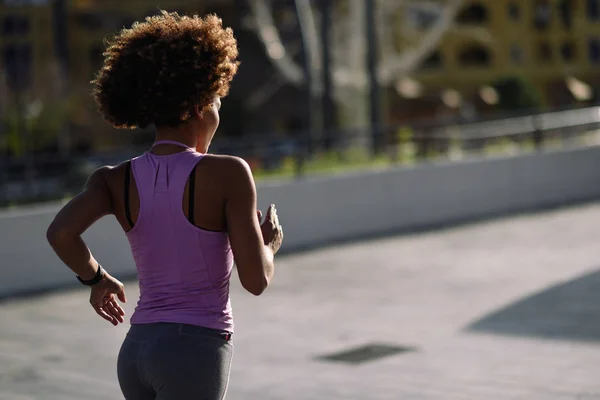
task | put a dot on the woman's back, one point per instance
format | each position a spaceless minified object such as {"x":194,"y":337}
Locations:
{"x":217,"y":200}
{"x":183,"y":270}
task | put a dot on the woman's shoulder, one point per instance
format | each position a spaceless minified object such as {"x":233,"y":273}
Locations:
{"x":227,"y":170}
{"x":110,"y":174}
{"x":226,"y":163}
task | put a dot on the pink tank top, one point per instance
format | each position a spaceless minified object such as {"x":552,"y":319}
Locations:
{"x":183,"y":270}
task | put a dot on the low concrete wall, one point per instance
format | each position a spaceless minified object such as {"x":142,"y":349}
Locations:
{"x":319,"y":211}
{"x":345,"y":207}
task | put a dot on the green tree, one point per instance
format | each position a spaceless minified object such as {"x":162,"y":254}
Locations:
{"x":11,"y":125}
{"x":33,"y":126}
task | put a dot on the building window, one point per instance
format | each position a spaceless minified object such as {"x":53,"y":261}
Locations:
{"x":474,"y":56}
{"x":593,"y":9}
{"x":544,"y":52}
{"x":567,"y":51}
{"x":565,"y":8}
{"x":420,"y":18}
{"x":17,"y":59}
{"x":514,"y":11}
{"x":475,"y":14}
{"x":516,"y":54}
{"x":594,"y":50}
{"x":15,"y":25}
{"x":433,"y":61}
{"x":542,"y":14}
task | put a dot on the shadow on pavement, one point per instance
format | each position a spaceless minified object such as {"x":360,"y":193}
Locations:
{"x":568,"y":311}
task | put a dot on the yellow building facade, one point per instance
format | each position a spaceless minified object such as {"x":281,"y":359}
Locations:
{"x":30,"y":65}
{"x":27,"y":49}
{"x":552,"y":43}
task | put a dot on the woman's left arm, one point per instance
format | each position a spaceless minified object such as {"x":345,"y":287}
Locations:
{"x":64,"y":235}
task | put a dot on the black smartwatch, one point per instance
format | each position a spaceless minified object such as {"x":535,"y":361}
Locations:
{"x":97,"y":278}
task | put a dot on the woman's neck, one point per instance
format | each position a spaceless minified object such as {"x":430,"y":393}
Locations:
{"x":182,"y":134}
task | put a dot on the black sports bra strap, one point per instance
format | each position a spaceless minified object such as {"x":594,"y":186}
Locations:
{"x":127,"y":179}
{"x":191,"y":196}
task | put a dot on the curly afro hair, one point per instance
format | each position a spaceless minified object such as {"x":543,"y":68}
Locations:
{"x":161,"y":69}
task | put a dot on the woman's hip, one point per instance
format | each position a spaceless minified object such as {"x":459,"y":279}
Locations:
{"x":177,"y":356}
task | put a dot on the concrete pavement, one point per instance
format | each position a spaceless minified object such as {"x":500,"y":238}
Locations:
{"x":507,"y":309}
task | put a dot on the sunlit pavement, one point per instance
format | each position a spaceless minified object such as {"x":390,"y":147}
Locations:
{"x":508,"y":309}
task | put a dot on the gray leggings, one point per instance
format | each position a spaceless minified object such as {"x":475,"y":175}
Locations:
{"x":165,"y":361}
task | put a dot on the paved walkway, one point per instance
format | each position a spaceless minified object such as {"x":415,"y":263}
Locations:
{"x":502,"y":310}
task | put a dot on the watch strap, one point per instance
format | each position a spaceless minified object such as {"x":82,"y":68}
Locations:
{"x":97,"y":278}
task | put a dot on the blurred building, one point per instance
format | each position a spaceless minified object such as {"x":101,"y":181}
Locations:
{"x":31,"y":81}
{"x":51,"y":49}
{"x":27,"y":47}
{"x":553,"y":44}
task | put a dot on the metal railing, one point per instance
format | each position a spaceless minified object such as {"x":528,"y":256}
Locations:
{"x":51,"y":177}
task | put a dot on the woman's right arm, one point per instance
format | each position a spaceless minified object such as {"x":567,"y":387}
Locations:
{"x":253,"y":245}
